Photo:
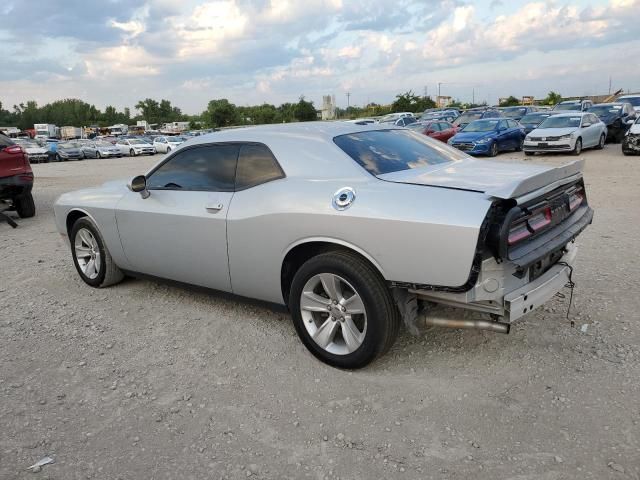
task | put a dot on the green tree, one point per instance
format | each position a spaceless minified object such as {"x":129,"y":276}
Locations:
{"x":220,"y":113}
{"x":149,"y":109}
{"x":553,"y":98}
{"x":410,"y":102}
{"x":510,"y":101}
{"x":305,"y":111}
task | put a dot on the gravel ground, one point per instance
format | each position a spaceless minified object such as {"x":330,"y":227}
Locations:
{"x":151,"y":381}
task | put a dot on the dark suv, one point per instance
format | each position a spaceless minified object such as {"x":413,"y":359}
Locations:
{"x":16,"y":178}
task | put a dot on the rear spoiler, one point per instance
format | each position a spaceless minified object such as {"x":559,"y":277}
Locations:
{"x":549,"y":180}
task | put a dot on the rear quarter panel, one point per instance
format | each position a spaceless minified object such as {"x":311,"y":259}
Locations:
{"x":411,"y":233}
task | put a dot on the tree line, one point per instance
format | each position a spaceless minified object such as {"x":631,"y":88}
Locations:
{"x":219,"y":112}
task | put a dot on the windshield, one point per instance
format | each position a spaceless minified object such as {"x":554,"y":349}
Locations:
{"x":533,"y":118}
{"x":467,"y":117}
{"x":635,"y":101}
{"x":568,"y":106}
{"x":514,"y":112}
{"x":26,"y":143}
{"x":561,"y":122}
{"x":386,"y":151}
{"x":103,"y":144}
{"x":604,"y":110}
{"x":135,"y":141}
{"x":481,"y":126}
{"x":178,"y":139}
{"x":389,"y":118}
{"x":417,"y":126}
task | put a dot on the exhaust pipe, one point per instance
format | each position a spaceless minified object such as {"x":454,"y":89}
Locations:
{"x":496,"y":327}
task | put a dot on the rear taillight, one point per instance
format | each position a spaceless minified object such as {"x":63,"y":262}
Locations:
{"x":518,"y":233}
{"x":575,"y":200}
{"x":540,"y":219}
{"x":13,"y":149}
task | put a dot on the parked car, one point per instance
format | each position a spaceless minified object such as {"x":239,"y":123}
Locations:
{"x":99,"y":149}
{"x":434,"y":116}
{"x":318,"y":212}
{"x":16,"y":178}
{"x":632,"y":99}
{"x":567,"y":132}
{"x":164,"y":144}
{"x":489,"y":136}
{"x":516,"y":113}
{"x":393,"y":117}
{"x":52,"y":148}
{"x":577,"y":105}
{"x":532,"y":120}
{"x":37,"y":153}
{"x":631,"y":139}
{"x":440,"y":130}
{"x":134,"y":146}
{"x":68,"y":151}
{"x":618,"y":117}
{"x":476,"y":114}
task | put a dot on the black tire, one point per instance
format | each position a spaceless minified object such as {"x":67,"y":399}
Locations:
{"x":493,"y":151}
{"x":168,"y":150}
{"x":603,"y":138}
{"x":520,"y":145}
{"x":529,"y":154}
{"x":58,"y":158}
{"x":109,"y":273}
{"x":25,"y":206}
{"x":577,"y":150}
{"x":98,"y":155}
{"x":82,"y":156}
{"x":132,"y":153}
{"x":383,"y":318}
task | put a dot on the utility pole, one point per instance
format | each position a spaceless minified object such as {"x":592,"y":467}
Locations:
{"x":439,"y":83}
{"x":609,"y":84}
{"x":473,"y":95}
{"x":348,"y":95}
{"x":426,"y":91}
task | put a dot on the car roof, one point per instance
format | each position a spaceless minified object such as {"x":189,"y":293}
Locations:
{"x":574,"y":114}
{"x":309,"y":130}
{"x":616,"y":104}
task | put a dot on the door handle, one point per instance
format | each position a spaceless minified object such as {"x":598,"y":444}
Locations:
{"x":213,"y":208}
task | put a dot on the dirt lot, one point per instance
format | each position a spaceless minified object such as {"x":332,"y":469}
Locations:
{"x":151,"y":381}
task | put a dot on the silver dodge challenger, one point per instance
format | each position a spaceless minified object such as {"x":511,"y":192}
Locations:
{"x":357,"y":229}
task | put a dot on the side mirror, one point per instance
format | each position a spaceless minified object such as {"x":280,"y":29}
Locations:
{"x":139,"y":185}
{"x":585,"y":125}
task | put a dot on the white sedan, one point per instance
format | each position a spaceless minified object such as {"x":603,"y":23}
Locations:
{"x":135,"y":146}
{"x":166,"y":144}
{"x":567,"y":132}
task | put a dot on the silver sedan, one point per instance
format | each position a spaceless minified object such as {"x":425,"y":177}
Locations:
{"x":357,"y":229}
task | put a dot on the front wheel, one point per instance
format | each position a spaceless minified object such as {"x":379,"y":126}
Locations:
{"x":520,"y":145}
{"x":577,"y":149}
{"x":343,"y":310}
{"x":90,"y":255}
{"x":493,"y":150}
{"x":98,"y":155}
{"x":528,"y":154}
{"x":603,"y":138}
{"x":132,"y":153}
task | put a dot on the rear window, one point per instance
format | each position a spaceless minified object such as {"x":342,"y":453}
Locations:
{"x":387,"y":151}
{"x":5,"y":141}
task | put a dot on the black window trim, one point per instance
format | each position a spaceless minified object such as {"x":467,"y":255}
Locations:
{"x":215,"y":144}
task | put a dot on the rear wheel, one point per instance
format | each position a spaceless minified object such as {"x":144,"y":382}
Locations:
{"x":25,"y":206}
{"x":577,"y":149}
{"x":343,"y":310}
{"x":90,"y":255}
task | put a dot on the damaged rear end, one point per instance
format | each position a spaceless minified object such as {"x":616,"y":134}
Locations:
{"x":524,"y":255}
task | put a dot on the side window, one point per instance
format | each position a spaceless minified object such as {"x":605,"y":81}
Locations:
{"x":503,"y":124}
{"x":209,"y":168}
{"x":5,"y":141}
{"x":256,"y":165}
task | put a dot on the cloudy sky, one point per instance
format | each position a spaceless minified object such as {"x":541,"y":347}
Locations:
{"x":253,"y":51}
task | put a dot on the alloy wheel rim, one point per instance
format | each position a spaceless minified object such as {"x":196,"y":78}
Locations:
{"x":579,"y":146}
{"x":87,"y":253}
{"x":333,"y":313}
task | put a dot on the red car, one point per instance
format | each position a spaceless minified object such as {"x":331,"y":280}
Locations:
{"x":16,"y":178}
{"x":438,"y":129}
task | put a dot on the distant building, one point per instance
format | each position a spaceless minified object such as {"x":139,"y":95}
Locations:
{"x":443,"y":101}
{"x":328,"y":111}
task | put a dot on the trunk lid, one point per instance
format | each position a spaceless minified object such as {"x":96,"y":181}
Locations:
{"x":496,"y":179}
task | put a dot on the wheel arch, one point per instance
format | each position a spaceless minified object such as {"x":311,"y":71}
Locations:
{"x":301,"y":251}
{"x":73,"y":216}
